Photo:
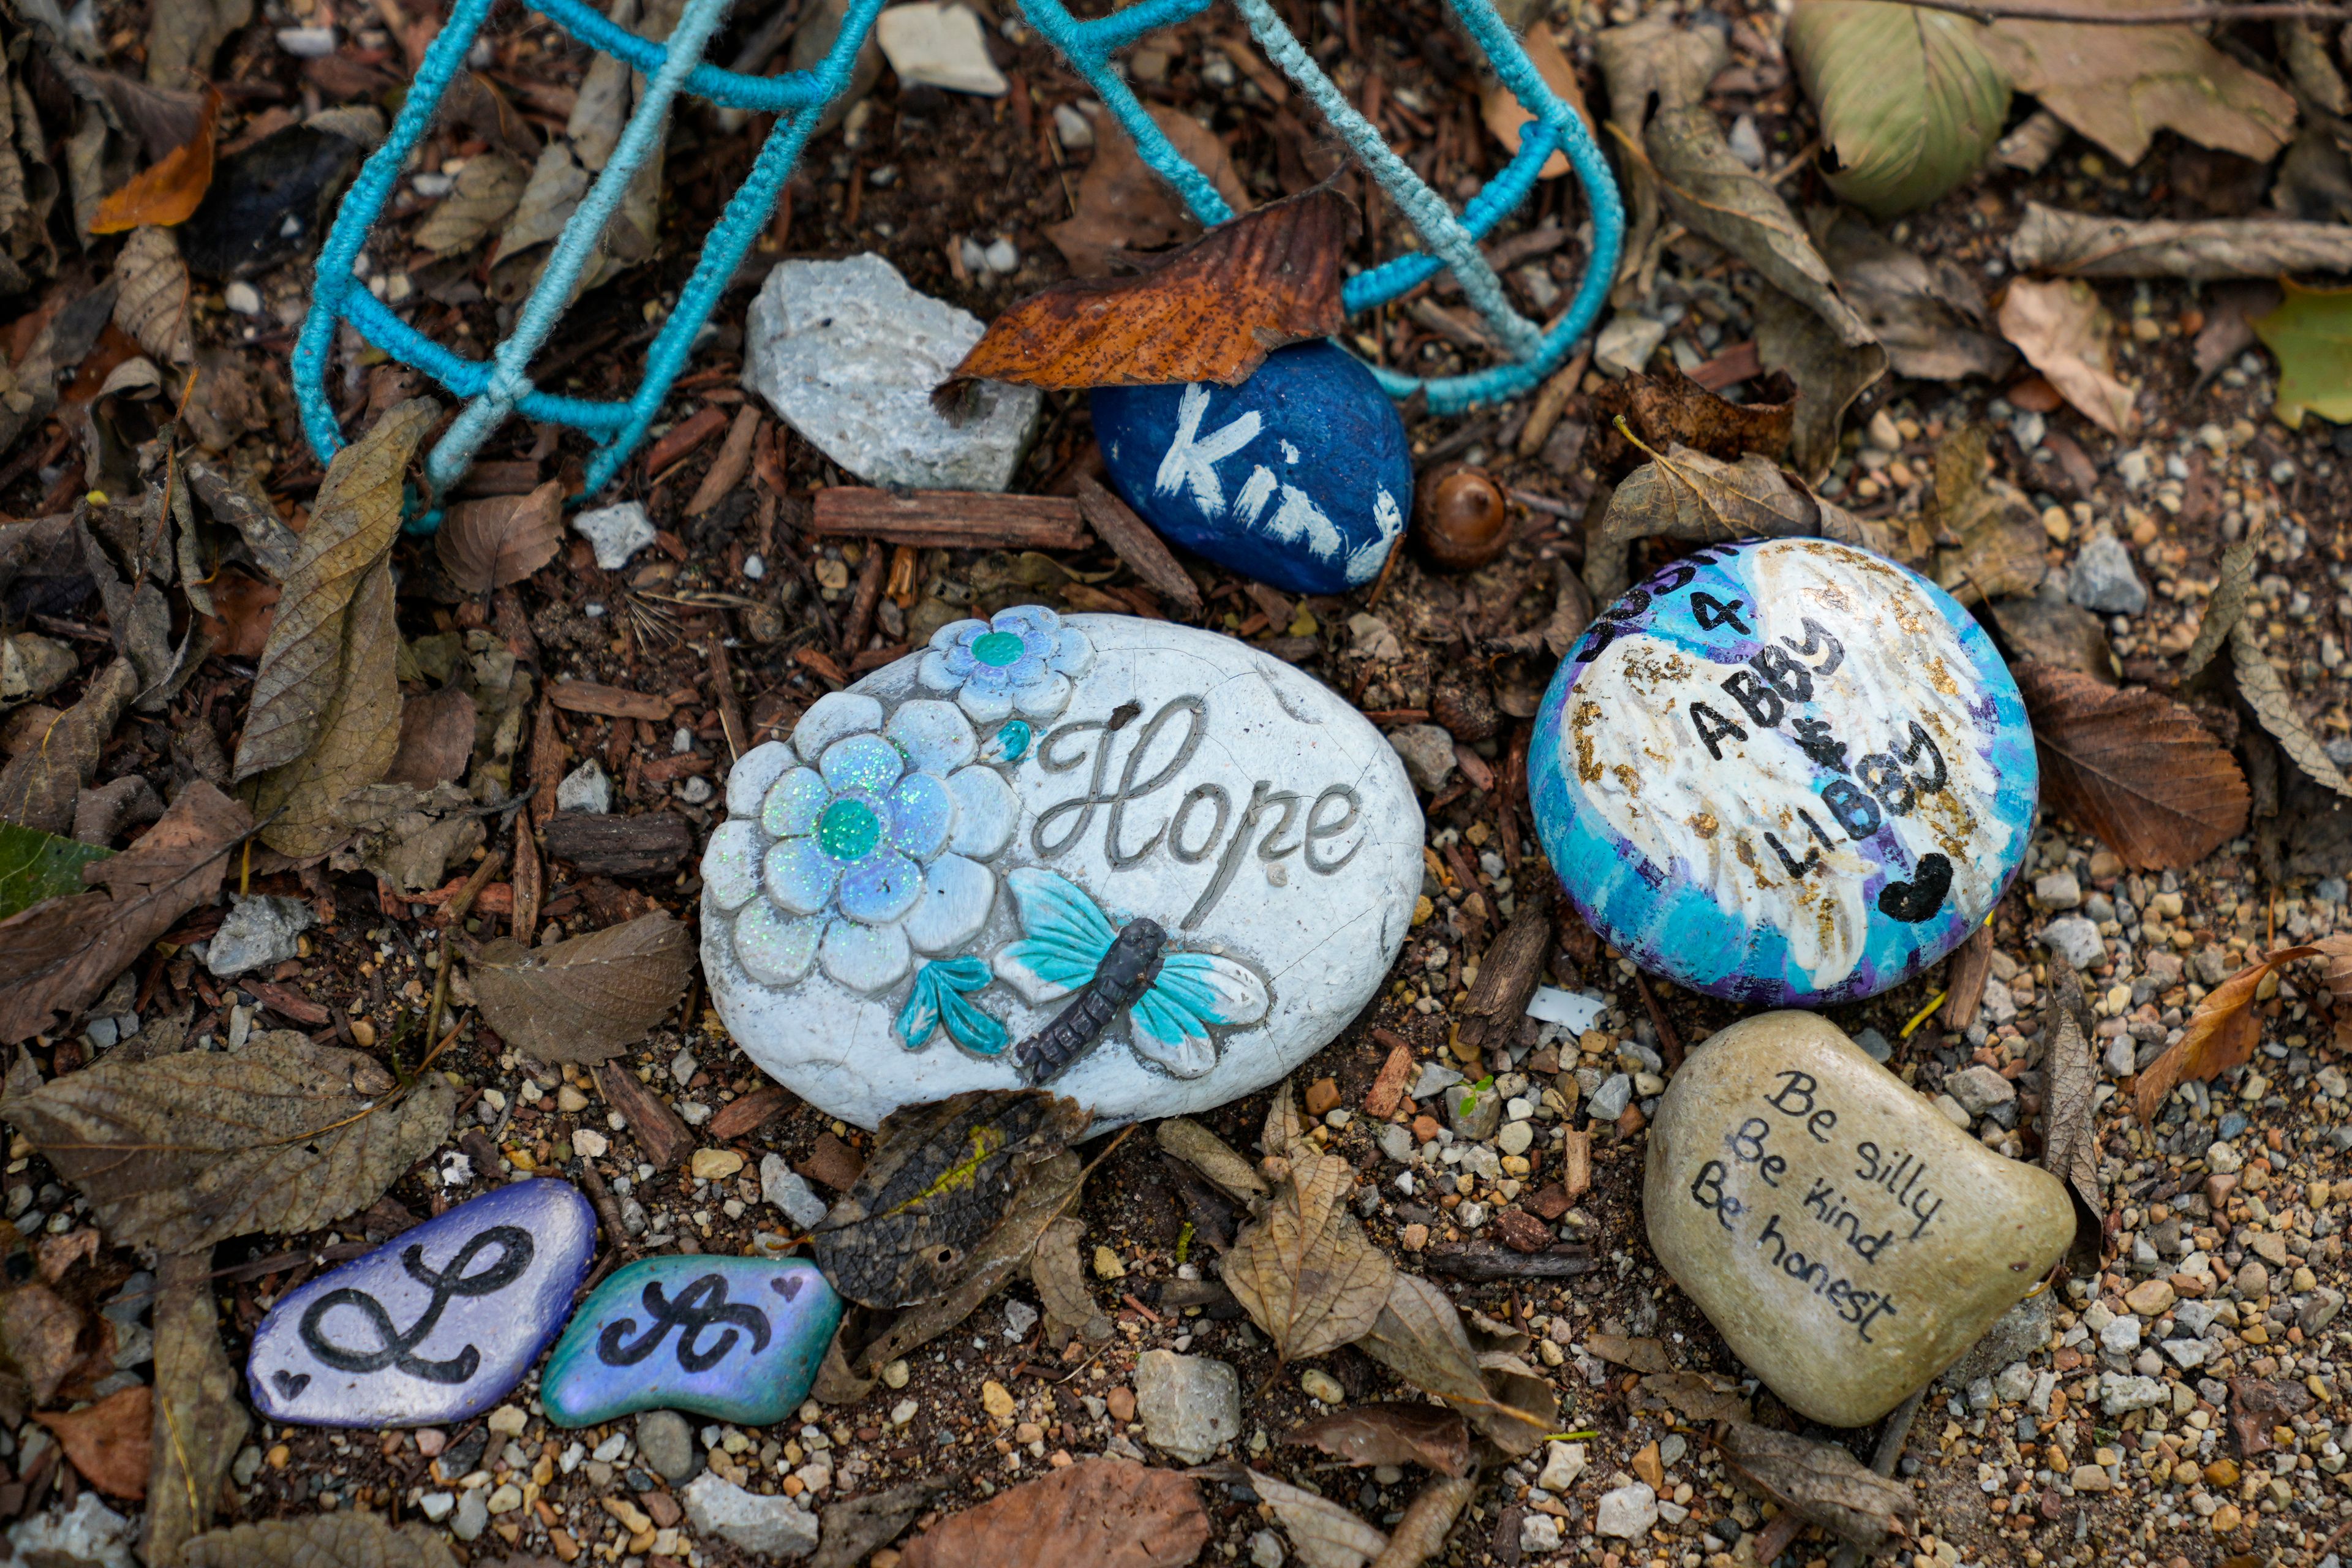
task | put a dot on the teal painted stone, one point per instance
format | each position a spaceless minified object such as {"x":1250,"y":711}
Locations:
{"x":737,"y":1338}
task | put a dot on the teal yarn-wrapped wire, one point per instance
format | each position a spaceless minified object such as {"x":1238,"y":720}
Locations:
{"x":495,"y":390}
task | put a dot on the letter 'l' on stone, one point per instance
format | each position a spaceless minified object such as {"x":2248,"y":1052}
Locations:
{"x":1847,"y":1257}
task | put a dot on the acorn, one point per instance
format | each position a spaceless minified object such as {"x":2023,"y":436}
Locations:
{"x":1459,"y":517}
{"x":1463,"y":708}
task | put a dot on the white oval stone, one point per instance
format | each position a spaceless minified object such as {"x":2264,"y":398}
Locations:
{"x":1090,"y":771}
{"x":1847,"y":1240}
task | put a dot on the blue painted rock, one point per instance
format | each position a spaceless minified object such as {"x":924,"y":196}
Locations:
{"x":738,"y":1338}
{"x":1785,"y":772}
{"x":1299,"y":477}
{"x":434,"y":1326}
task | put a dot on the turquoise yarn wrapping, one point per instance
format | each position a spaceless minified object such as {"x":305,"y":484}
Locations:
{"x":495,"y":390}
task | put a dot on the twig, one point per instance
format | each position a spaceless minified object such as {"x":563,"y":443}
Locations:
{"x":1670,"y":1043}
{"x":2177,"y":17}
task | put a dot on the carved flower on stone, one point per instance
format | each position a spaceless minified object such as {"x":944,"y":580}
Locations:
{"x":859,"y":845}
{"x":1018,"y":661}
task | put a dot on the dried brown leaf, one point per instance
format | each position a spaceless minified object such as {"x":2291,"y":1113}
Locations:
{"x":1928,"y":311}
{"x":1123,"y":210}
{"x":109,"y":1441}
{"x":487,"y":191}
{"x":200,"y":1420}
{"x":2061,"y":329}
{"x":2221,"y":1034}
{"x":1000,"y":1256}
{"x":1112,"y":1513}
{"x":2086,"y":245}
{"x":1283,"y":1128}
{"x":1323,"y":1533}
{"x":1644,"y":1355}
{"x":1688,"y":495}
{"x":942,"y":1177}
{"x":1506,"y":118}
{"x":405,"y":834}
{"x":1391,"y":1435}
{"x":1211,"y":1156}
{"x":500,"y":540}
{"x":2262,"y":688}
{"x":2223,"y":608}
{"x":853,"y":1530}
{"x":1698,"y":1396}
{"x":347,"y":1539}
{"x":2120,"y":86}
{"x":170,"y":190}
{"x":1668,"y":408}
{"x":2135,"y":768}
{"x":2058,"y":633}
{"x":59,"y":955}
{"x":1964,"y":978}
{"x":436,"y":739}
{"x":1420,"y":1535}
{"x":188,"y":1150}
{"x":305,"y":664}
{"x":40,"y":783}
{"x":1419,"y":1337}
{"x":1061,"y":1278}
{"x":150,"y":300}
{"x":1211,"y":310}
{"x":2070,"y":1139}
{"x":1829,"y":374}
{"x":589,"y":996}
{"x":359,"y":734}
{"x":1304,"y":1271}
{"x":40,"y":1345}
{"x":1820,"y":1482}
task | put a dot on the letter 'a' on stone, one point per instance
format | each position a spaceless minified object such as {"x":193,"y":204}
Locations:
{"x":438,"y":1324}
{"x":737,"y":1338}
{"x":1784,"y":771}
{"x":1151,"y":868}
{"x":1847,"y":1241}
{"x":1300,"y":477}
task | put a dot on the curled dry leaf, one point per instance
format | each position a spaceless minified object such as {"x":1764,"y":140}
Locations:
{"x":2086,"y":245}
{"x":2221,"y":1034}
{"x":2070,"y":1137}
{"x":1211,"y":310}
{"x":2224,"y":607}
{"x":587,"y":996}
{"x":853,"y":1530}
{"x":2001,"y":541}
{"x":59,"y":955}
{"x":1304,"y":1271}
{"x":1668,"y":408}
{"x":1507,"y":119}
{"x":39,"y":784}
{"x":436,"y":739}
{"x":350,"y":1538}
{"x":2265,"y":692}
{"x":1105,"y":1512}
{"x":1643,"y":1355}
{"x":170,"y":190}
{"x":1391,"y":1435}
{"x":1910,"y":103}
{"x":188,"y":1150}
{"x":1820,"y":1482}
{"x":109,"y":1441}
{"x":943,"y":1176}
{"x":150,"y":300}
{"x":1036,"y":1208}
{"x":1928,"y":311}
{"x":1700,"y":1397}
{"x":1061,"y":1280}
{"x":200,"y":1419}
{"x":2120,"y":86}
{"x":1419,"y":1337}
{"x":40,"y":1345}
{"x":2135,"y":768}
{"x":487,"y":190}
{"x":1211,"y":1156}
{"x":1324,"y":1534}
{"x":1420,"y":1535}
{"x":1794,"y":342}
{"x":2061,"y":328}
{"x":499,"y":541}
{"x":1690,"y":495}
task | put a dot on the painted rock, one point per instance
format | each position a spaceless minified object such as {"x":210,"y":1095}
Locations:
{"x":1299,"y":477}
{"x":437,"y":1325}
{"x":738,"y":1338}
{"x":1784,"y":771}
{"x":1149,"y":865}
{"x":1848,"y":1241}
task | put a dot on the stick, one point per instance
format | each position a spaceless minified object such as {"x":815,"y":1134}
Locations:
{"x":1891,"y":1438}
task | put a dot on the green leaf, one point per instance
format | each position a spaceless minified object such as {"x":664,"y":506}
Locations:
{"x":36,"y":866}
{"x":1910,"y":103}
{"x":2311,"y":335}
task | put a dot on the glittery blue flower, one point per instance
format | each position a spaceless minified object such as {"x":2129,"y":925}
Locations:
{"x":1020,"y":660}
{"x":867,"y":851}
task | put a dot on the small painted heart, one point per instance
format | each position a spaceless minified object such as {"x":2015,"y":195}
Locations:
{"x":789,"y":1287}
{"x":291,"y":1384}
{"x":1922,"y":896}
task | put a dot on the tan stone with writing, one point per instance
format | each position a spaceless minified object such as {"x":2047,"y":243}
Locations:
{"x":1847,"y":1241}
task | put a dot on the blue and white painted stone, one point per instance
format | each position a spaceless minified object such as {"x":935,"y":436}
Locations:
{"x":1784,"y":771}
{"x":959,"y":848}
{"x":1300,"y":477}
{"x":737,"y":1338}
{"x":437,"y":1325}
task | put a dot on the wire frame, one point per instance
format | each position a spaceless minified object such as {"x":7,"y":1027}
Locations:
{"x":495,"y":389}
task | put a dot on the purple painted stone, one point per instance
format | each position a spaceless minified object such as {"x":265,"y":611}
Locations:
{"x":438,"y":1324}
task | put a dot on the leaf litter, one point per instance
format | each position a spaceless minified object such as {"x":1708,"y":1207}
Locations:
{"x":1391,"y":1435}
{"x":1108,"y":1511}
{"x":586,"y":997}
{"x":2220,"y":1035}
{"x":2135,"y":768}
